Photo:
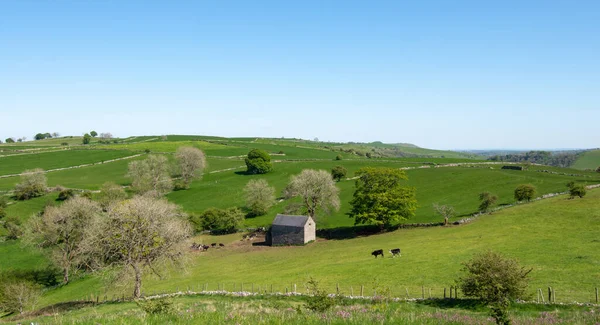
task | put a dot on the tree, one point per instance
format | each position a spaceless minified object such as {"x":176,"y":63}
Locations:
{"x":220,"y":221}
{"x":141,"y":233}
{"x":190,"y":161}
{"x":9,"y":140}
{"x":495,"y":280}
{"x":68,"y":231}
{"x":258,"y":162}
{"x":487,"y":201}
{"x":33,"y":184}
{"x":94,"y":134}
{"x":54,"y":135}
{"x":18,"y":296}
{"x":380,"y":198}
{"x":110,"y":194}
{"x":12,"y":224}
{"x":151,"y":175}
{"x":106,"y":136}
{"x":525,"y":192}
{"x":39,"y":136}
{"x":446,"y":211}
{"x":598,"y":169}
{"x":576,"y":190}
{"x":338,"y":172}
{"x":316,"y":189}
{"x":259,"y":196}
{"x":338,"y":157}
{"x":86,"y":138}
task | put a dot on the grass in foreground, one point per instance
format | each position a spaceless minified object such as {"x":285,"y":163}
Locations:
{"x":291,"y":310}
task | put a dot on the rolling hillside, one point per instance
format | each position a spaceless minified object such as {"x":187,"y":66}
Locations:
{"x":589,"y":160}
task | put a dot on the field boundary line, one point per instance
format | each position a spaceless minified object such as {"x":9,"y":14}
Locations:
{"x":78,"y":166}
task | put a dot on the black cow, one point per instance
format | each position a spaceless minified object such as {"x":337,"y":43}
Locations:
{"x":221,"y":244}
{"x":396,"y":251}
{"x":213,"y":244}
{"x":377,"y":253}
{"x":205,"y":247}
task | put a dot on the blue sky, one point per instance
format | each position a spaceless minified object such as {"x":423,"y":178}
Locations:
{"x":439,"y":74}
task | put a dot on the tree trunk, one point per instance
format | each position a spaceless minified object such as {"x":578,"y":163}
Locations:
{"x":138,"y":282}
{"x":66,"y":275}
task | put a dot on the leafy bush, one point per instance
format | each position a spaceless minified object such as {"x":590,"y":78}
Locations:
{"x":525,"y":192}
{"x":220,"y":221}
{"x":157,"y":306}
{"x":65,"y":194}
{"x":64,"y":144}
{"x":258,"y":162}
{"x":87,"y":194}
{"x":338,"y":172}
{"x":577,"y":190}
{"x":319,"y":301}
{"x":338,"y":157}
{"x":33,"y":184}
{"x":487,"y":201}
{"x":496,"y":281}
{"x":179,"y":185}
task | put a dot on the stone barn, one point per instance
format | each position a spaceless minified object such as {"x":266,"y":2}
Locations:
{"x":292,"y":230}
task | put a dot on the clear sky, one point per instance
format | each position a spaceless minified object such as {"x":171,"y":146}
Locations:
{"x":439,"y":74}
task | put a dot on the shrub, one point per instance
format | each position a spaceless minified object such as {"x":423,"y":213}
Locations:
{"x":259,"y":196}
{"x":577,"y":190}
{"x":221,"y":221}
{"x":157,"y":306}
{"x":86,"y":194}
{"x":33,"y":184}
{"x":496,"y":281}
{"x":598,"y":169}
{"x":3,"y":202}
{"x":179,"y":185}
{"x":487,"y":201}
{"x":16,"y":297}
{"x":2,"y":213}
{"x":338,"y":172}
{"x":525,"y":192}
{"x":338,"y":157}
{"x":319,"y":301}
{"x":64,"y":144}
{"x":65,"y":194}
{"x":258,"y":162}
{"x":13,"y":228}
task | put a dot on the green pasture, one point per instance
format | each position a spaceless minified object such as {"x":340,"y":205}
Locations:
{"x":58,"y":159}
{"x":266,"y":309}
{"x":558,"y":238}
{"x":589,"y":160}
{"x":210,"y":149}
{"x":456,"y":186}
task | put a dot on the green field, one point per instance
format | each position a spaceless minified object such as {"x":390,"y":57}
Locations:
{"x":58,"y":159}
{"x":589,"y":160}
{"x":431,"y":257}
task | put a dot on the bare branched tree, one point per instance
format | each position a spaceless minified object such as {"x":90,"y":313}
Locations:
{"x":151,"y":175}
{"x":68,"y":231}
{"x":106,"y":136}
{"x":110,"y":194}
{"x":140,"y":233}
{"x":259,"y":196}
{"x":19,"y":296}
{"x":317,"y":190}
{"x":446,"y":211}
{"x":191,"y":161}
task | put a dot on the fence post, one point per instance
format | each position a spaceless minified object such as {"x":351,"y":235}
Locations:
{"x":444,"y":292}
{"x":550,"y":294}
{"x":407,"y":295}
{"x":352,"y":292}
{"x":337,"y":288}
{"x":429,"y":293}
{"x":422,"y":292}
{"x":596,"y":295}
{"x":294,"y":288}
{"x":361,"y":290}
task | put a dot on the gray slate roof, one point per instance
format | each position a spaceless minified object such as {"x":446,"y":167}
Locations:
{"x":290,"y":221}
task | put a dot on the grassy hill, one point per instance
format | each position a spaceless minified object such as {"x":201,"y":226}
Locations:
{"x":588,"y":160}
{"x":431,"y":258}
{"x":556,"y":237}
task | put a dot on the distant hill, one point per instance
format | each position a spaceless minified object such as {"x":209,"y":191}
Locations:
{"x":588,"y":160}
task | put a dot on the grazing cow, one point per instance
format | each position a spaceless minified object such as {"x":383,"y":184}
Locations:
{"x":221,"y":245}
{"x":205,"y":247}
{"x":377,"y":252}
{"x":213,"y":244}
{"x":396,"y":251}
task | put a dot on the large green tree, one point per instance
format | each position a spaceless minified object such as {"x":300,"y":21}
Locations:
{"x":258,"y":162}
{"x":380,"y":197}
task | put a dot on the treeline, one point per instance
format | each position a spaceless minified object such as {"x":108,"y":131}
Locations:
{"x":558,"y":159}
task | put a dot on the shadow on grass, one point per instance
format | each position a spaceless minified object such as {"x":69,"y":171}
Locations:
{"x":453,"y":303}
